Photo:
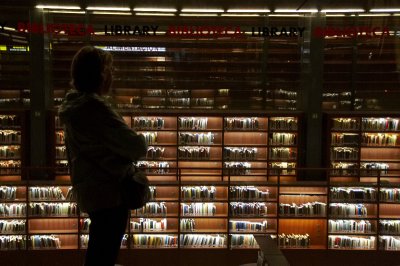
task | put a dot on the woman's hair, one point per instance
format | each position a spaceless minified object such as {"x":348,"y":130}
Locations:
{"x":87,"y":69}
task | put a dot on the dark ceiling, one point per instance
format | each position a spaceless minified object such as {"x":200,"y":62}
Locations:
{"x":225,"y":4}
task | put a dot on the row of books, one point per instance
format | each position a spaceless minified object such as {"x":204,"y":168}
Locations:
{"x":240,"y":153}
{"x":309,"y":208}
{"x":344,"y":138}
{"x":14,"y":209}
{"x":142,"y":123}
{"x":347,"y":209}
{"x":10,"y":152}
{"x":150,"y":137}
{"x":248,"y":226}
{"x":375,"y":166}
{"x":14,"y":101}
{"x":294,"y":241}
{"x":153,"y":208}
{"x":345,"y":124}
{"x":178,"y":93}
{"x":283,"y":168}
{"x":237,"y":123}
{"x":282,"y":94}
{"x":61,"y":152}
{"x":12,"y":226}
{"x":341,"y":168}
{"x":283,"y":123}
{"x":154,"y":167}
{"x":389,"y":194}
{"x":53,"y":209}
{"x":379,"y":139}
{"x":200,"y":123}
{"x":153,"y":192}
{"x":46,"y":193}
{"x":193,"y":123}
{"x":144,"y":241}
{"x":178,"y":101}
{"x":389,"y":243}
{"x":60,"y":137}
{"x":10,"y":137}
{"x":85,"y":224}
{"x":390,"y":226}
{"x":169,"y":92}
{"x":350,"y":193}
{"x":237,"y":168}
{"x":148,"y":225}
{"x":282,"y":139}
{"x":282,"y":153}
{"x":9,"y":120}
{"x":10,"y":167}
{"x":348,"y":242}
{"x":198,"y":193}
{"x":201,"y":209}
{"x":8,"y":192}
{"x":209,"y":102}
{"x":380,"y":124}
{"x":350,"y":226}
{"x":344,"y":153}
{"x":248,"y":209}
{"x":196,"y":138}
{"x":188,"y":224}
{"x":45,"y":241}
{"x":248,"y":193}
{"x":202,"y":241}
{"x":155,"y":153}
{"x":194,"y":153}
{"x":14,"y":242}
{"x":243,"y":241}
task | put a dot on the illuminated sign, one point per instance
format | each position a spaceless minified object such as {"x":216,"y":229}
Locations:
{"x":144,"y":30}
{"x":351,"y":32}
{"x":14,"y":48}
{"x":132,"y":49}
{"x":68,"y":29}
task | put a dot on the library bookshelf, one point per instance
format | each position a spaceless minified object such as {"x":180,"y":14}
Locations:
{"x":198,"y":214}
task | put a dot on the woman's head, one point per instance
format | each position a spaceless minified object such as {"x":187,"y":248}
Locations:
{"x":91,"y":70}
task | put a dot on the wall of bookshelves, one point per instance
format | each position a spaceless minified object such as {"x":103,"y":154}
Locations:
{"x":13,"y":188}
{"x":361,"y":145}
{"x":339,"y":215}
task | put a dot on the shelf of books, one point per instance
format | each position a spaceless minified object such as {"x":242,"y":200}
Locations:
{"x":60,"y":152}
{"x":353,"y":214}
{"x":52,"y":216}
{"x":199,"y":213}
{"x":359,"y":146}
{"x":389,"y":218}
{"x":302,"y":215}
{"x":13,"y":193}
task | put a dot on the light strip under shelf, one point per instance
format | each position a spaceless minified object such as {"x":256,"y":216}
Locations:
{"x":385,"y":10}
{"x":67,"y":12}
{"x":197,"y":15}
{"x":342,"y":10}
{"x":108,"y":8}
{"x":153,"y":9}
{"x":248,"y":11}
{"x":111,"y":13}
{"x":155,"y":14}
{"x":200,"y":10}
{"x":57,"y":7}
{"x":296,"y":11}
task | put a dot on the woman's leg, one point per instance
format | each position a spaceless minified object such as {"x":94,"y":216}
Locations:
{"x":106,"y":230}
